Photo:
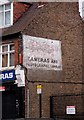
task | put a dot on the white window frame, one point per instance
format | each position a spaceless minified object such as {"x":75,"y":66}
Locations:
{"x":6,"y":52}
{"x":11,"y":15}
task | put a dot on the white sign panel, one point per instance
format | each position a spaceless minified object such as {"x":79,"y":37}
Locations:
{"x":41,"y":53}
{"x":39,"y":89}
{"x":20,"y":77}
{"x":70,"y":110}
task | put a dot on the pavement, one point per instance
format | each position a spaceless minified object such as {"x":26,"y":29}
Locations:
{"x":56,"y":118}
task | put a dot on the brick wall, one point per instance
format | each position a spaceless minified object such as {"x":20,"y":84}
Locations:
{"x":59,"y":105}
{"x":60,"y":21}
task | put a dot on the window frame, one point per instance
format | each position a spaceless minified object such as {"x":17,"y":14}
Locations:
{"x":6,"y":52}
{"x":4,"y":12}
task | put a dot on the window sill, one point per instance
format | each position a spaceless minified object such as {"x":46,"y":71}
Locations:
{"x":7,"y":68}
{"x":6,"y":26}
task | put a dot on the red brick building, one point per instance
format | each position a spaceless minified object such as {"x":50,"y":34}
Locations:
{"x":62,"y":90}
{"x":13,"y":97}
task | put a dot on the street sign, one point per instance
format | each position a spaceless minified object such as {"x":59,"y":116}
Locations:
{"x":39,"y":89}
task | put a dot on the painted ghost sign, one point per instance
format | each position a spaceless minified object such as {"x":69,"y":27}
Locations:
{"x":41,"y":53}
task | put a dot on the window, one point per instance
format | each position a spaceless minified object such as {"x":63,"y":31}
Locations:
{"x":6,"y":15}
{"x":7,"y":55}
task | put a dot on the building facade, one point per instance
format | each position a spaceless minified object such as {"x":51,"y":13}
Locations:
{"x":43,"y":48}
{"x":13,"y":97}
{"x":60,"y":89}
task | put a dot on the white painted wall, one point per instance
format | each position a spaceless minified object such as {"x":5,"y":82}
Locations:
{"x":41,"y":53}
